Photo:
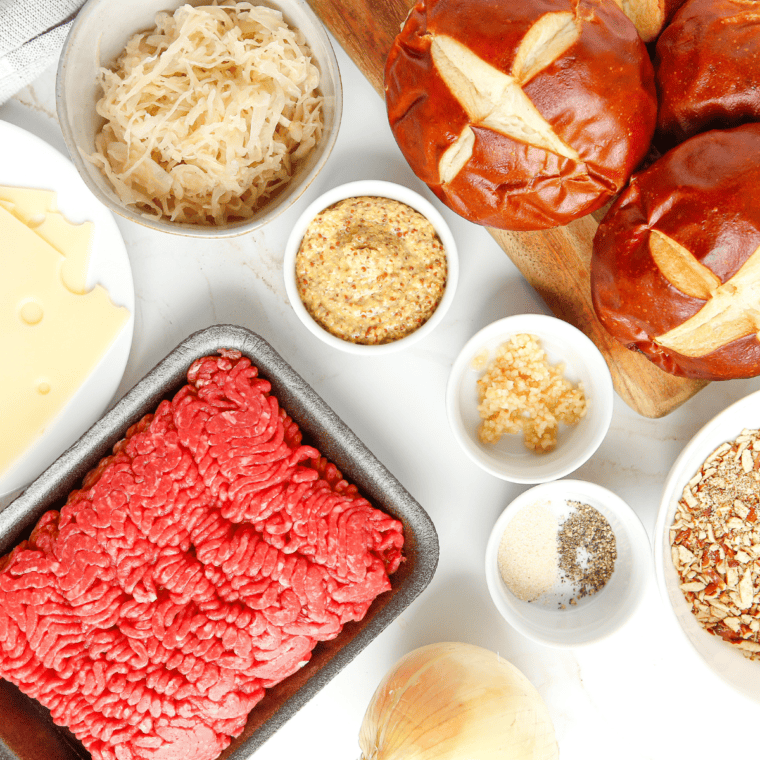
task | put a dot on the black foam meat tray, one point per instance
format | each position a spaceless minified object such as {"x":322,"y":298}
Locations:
{"x":26,"y":729}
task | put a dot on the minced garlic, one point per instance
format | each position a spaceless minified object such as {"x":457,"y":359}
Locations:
{"x":521,"y":391}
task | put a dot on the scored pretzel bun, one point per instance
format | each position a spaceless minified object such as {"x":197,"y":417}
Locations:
{"x":708,"y":67}
{"x":649,"y":16}
{"x":675,"y":268}
{"x":521,"y":115}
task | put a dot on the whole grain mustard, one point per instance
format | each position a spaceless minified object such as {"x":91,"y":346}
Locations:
{"x":370,"y":270}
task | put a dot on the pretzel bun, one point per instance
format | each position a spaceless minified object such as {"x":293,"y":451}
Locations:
{"x":524,"y":114}
{"x":675,"y":268}
{"x":708,"y":67}
{"x":649,"y":16}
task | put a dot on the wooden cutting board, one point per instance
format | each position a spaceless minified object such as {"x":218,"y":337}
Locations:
{"x":555,"y":262}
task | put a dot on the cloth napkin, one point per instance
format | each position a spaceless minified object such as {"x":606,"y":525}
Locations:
{"x":32,"y":33}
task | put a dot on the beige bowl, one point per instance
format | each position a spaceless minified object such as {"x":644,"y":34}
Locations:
{"x":98,"y":36}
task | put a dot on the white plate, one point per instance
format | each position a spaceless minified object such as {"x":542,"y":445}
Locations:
{"x":27,"y":161}
{"x":726,"y":662}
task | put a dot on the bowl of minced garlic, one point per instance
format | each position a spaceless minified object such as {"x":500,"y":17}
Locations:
{"x":529,"y":398}
{"x":371,"y":267}
{"x":566,"y":563}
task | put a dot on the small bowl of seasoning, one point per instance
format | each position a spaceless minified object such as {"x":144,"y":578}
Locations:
{"x":566,"y":563}
{"x":529,"y":398}
{"x":371,"y":267}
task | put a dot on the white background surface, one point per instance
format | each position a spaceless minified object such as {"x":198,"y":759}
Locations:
{"x":639,"y":694}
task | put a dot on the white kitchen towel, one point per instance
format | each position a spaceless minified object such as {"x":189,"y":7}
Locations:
{"x":32,"y":33}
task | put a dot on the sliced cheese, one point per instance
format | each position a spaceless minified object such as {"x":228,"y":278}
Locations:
{"x":38,"y":210}
{"x":29,"y":203}
{"x":51,"y":339}
{"x":74,"y":241}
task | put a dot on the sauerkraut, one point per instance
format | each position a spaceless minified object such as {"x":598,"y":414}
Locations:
{"x":208,"y":114}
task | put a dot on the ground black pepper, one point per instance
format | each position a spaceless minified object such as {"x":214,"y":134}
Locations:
{"x":587,"y":549}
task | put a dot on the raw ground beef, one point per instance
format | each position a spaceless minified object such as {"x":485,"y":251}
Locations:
{"x":197,"y":566}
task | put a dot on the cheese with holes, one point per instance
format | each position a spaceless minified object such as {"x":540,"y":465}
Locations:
{"x":31,"y":204}
{"x":675,"y":270}
{"x":521,"y":115}
{"x":38,"y":209}
{"x":50,"y":338}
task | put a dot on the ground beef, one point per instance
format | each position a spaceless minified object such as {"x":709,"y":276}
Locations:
{"x":197,"y":566}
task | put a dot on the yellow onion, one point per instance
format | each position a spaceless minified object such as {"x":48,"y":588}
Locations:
{"x":453,"y":701}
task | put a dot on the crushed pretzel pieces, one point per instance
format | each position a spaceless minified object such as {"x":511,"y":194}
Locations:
{"x":715,"y":543}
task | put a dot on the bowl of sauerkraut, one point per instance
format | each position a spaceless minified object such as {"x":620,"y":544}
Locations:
{"x":199,"y":118}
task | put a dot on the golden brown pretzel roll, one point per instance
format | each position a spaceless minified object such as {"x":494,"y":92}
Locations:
{"x":708,"y":67}
{"x":649,"y":16}
{"x":675,"y":270}
{"x":523,"y":114}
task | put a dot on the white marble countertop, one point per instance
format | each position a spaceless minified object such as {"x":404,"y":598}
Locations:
{"x":637,"y":695}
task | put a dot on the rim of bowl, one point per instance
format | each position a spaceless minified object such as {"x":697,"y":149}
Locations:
{"x":602,"y":382}
{"x":698,"y":440}
{"x":383,"y":189}
{"x":286,"y":199}
{"x":637,"y":536}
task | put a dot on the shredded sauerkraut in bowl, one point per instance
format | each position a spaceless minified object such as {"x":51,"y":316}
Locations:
{"x":208,"y":114}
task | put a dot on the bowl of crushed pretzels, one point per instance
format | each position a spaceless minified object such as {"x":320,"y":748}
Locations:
{"x":707,"y":545}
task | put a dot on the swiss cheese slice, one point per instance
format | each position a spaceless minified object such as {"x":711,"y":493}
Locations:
{"x":30,"y":203}
{"x":50,"y":338}
{"x":38,"y":210}
{"x":74,"y":241}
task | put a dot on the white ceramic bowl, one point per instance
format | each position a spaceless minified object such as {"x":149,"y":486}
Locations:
{"x":725,"y":662}
{"x":377,"y":188}
{"x":97,"y":38}
{"x":509,"y":459}
{"x":596,"y":616}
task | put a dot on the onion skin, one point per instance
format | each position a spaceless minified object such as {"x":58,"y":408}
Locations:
{"x":455,"y":701}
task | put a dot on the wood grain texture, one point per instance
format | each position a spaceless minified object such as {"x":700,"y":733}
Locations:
{"x":555,"y":262}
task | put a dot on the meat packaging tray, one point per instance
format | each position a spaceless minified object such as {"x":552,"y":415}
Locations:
{"x":26,"y":729}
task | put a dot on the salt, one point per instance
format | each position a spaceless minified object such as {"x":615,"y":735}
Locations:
{"x":527,"y":556}
{"x":558,"y":552}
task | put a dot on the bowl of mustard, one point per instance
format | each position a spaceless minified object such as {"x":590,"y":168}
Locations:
{"x":371,"y":267}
